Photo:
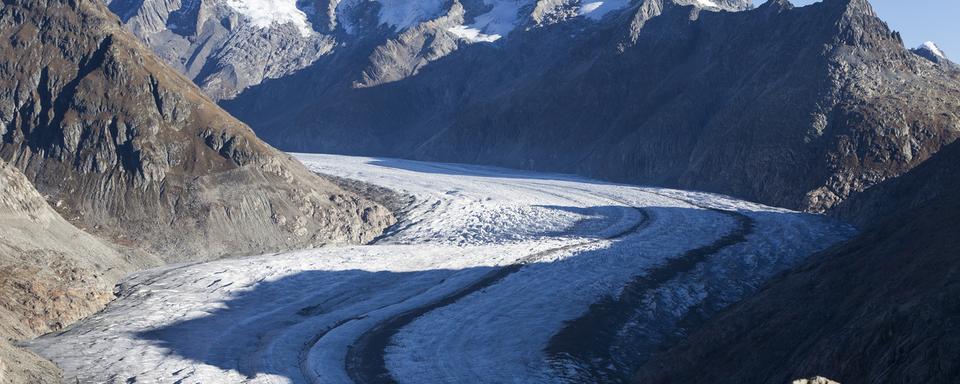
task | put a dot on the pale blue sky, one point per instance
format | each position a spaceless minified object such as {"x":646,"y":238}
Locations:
{"x":918,"y":21}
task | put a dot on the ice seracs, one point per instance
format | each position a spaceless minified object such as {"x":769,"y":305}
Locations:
{"x":502,"y":18}
{"x":266,"y":13}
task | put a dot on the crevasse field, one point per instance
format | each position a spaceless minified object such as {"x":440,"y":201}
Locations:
{"x":484,"y":269}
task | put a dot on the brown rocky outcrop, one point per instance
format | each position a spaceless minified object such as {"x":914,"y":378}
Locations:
{"x":129,"y":149}
{"x":51,"y":274}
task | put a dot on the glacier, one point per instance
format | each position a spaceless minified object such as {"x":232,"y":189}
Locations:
{"x":559,"y":244}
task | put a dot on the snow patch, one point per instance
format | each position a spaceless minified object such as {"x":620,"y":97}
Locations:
{"x":597,"y":9}
{"x":503,"y":18}
{"x":473,"y":35}
{"x":266,"y":13}
{"x":707,"y":3}
{"x":590,"y":7}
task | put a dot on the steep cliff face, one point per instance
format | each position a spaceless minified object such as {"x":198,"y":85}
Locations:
{"x":227,"y":46}
{"x":936,"y":179}
{"x":131,"y":150}
{"x":51,"y":274}
{"x":881,"y":308}
{"x":797,"y":107}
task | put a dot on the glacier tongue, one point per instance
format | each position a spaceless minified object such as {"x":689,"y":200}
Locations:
{"x":296,"y":317}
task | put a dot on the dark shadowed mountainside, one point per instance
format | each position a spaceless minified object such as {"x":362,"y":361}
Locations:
{"x":799,"y":107}
{"x":883,"y":308}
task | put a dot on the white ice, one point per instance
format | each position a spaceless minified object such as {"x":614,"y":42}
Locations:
{"x":502,"y":18}
{"x":707,"y":3}
{"x":292,"y":317}
{"x":266,"y":13}
{"x":472,"y":35}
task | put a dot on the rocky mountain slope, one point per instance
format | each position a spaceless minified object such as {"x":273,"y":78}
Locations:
{"x":130,"y":150}
{"x":881,"y":308}
{"x":51,"y":274}
{"x":800,"y":107}
{"x":935,"y":179}
{"x":213,"y":43}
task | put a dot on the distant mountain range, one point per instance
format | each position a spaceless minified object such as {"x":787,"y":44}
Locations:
{"x":796,"y":107}
{"x":227,"y":46}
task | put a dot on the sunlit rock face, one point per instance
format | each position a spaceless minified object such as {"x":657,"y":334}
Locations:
{"x":51,"y":274}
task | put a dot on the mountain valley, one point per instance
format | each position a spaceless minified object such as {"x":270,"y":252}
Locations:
{"x":475,"y":191}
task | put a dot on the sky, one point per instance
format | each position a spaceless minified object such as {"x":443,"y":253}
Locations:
{"x":918,"y":21}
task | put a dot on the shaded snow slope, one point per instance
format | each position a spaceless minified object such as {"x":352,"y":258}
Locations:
{"x":295,"y":317}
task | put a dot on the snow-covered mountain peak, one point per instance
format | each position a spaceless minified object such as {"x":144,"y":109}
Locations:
{"x":503,"y":16}
{"x":933,"y":49}
{"x":227,"y":46}
{"x":267,"y":13}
